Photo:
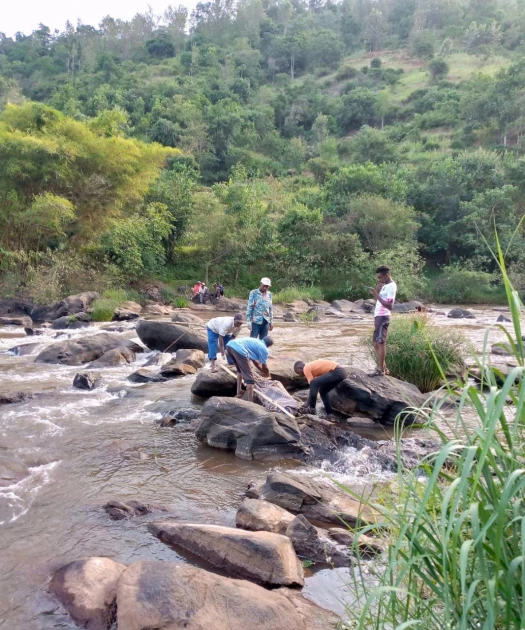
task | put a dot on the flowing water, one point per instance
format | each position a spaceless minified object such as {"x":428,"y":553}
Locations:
{"x":79,"y":449}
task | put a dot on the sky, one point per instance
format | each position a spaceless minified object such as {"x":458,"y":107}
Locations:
{"x":26,"y":15}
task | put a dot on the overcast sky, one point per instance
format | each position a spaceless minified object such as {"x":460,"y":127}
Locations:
{"x":26,"y":15}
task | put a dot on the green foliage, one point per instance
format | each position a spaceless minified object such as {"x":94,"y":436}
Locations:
{"x":103,"y":308}
{"x":420,"y":352}
{"x":357,"y":108}
{"x":181,"y":302}
{"x":293,"y":293}
{"x":438,"y":69}
{"x":458,"y":284}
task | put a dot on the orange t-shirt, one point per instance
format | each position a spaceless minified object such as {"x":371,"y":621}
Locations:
{"x":318,"y":368}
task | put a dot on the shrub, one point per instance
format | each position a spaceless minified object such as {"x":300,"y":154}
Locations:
{"x":375,"y":63}
{"x":420,"y":352}
{"x":291,"y":294}
{"x":438,"y":69}
{"x":181,"y":302}
{"x":460,"y":285}
{"x":346,"y":72}
{"x":102,"y":309}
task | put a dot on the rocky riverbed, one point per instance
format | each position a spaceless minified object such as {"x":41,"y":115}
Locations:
{"x":68,"y":452}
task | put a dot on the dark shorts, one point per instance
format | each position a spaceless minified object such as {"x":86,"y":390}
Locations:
{"x":242,"y":364}
{"x":381,"y":324}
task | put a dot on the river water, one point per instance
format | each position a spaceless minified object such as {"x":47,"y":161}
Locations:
{"x":84,"y":448}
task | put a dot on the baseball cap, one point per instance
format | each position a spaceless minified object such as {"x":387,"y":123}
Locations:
{"x":266,"y":281}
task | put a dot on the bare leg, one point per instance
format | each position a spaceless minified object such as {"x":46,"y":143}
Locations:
{"x":376,"y":348}
{"x":381,"y":356}
{"x":213,"y":366}
{"x":249,"y":389}
{"x":239,"y":385}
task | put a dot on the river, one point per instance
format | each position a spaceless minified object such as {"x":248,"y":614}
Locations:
{"x":84,"y":448}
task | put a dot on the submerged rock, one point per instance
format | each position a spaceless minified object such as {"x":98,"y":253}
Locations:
{"x":88,"y":589}
{"x":166,"y":596}
{"x":12,"y":397}
{"x":381,"y":398}
{"x":165,"y":337}
{"x":118,"y":510}
{"x":146,"y":376}
{"x":248,"y":429}
{"x":87,"y":380}
{"x":263,"y":557}
{"x":85,"y":350}
{"x":262,"y":516}
{"x":460,"y":313}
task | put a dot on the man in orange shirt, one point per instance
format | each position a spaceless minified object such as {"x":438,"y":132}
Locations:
{"x":323,"y":376}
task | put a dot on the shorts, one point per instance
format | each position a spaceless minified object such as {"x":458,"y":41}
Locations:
{"x":381,"y":324}
{"x":242,"y":364}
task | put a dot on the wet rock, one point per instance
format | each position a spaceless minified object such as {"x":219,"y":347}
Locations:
{"x":186,"y":318}
{"x":113,"y":358}
{"x":166,"y":596}
{"x":263,"y":557}
{"x":317,"y":500}
{"x":24,"y":349}
{"x":87,"y":589}
{"x":344,"y":306}
{"x":195,"y":358}
{"x":290,"y":316}
{"x":460,"y":313}
{"x":164,"y":336}
{"x":248,"y":429}
{"x":315,"y":544}
{"x":71,"y":305}
{"x":79,"y":351}
{"x":127,"y":311}
{"x":208,"y":384}
{"x":261,"y":516}
{"x":87,"y":380}
{"x":367,"y":545}
{"x":119,"y":510}
{"x":12,"y":397}
{"x":159,"y":359}
{"x":24,"y":321}
{"x":12,"y":471}
{"x":502,"y":318}
{"x":146,"y":376}
{"x":177,"y":369}
{"x":382,"y":398}
{"x":73,"y":322}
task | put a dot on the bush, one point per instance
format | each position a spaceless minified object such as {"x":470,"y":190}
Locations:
{"x":459,"y":285}
{"x":419,"y":352}
{"x":438,"y":69}
{"x":297,"y":293}
{"x":346,"y":72}
{"x":375,"y":63}
{"x":102,"y":309}
{"x":181,"y":302}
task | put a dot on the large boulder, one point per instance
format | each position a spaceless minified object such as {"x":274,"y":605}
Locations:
{"x":318,"y":500}
{"x":113,"y":358}
{"x":184,"y":317}
{"x":281,"y":369}
{"x":263,"y":557}
{"x":165,"y":337}
{"x":87,"y":380}
{"x":195,"y":358}
{"x":176,"y":369}
{"x":382,"y":398}
{"x":167,"y":596}
{"x":16,"y":307}
{"x":314,"y":543}
{"x":24,"y":321}
{"x":208,"y":384}
{"x":248,"y":429}
{"x":71,"y":305}
{"x":261,"y":516}
{"x":88,"y":589}
{"x":85,"y":350}
{"x":231,"y":305}
{"x":344,"y":306}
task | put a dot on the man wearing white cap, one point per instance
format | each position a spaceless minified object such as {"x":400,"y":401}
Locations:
{"x":259,"y":314}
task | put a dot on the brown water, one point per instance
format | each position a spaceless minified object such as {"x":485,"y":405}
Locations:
{"x":84,"y":448}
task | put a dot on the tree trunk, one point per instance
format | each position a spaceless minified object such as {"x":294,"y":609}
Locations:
{"x":292,"y":66}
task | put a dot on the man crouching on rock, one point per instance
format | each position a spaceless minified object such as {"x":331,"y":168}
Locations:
{"x":241,"y":352}
{"x":323,"y":376}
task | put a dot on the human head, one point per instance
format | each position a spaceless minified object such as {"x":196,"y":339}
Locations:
{"x":298,"y":367}
{"x":266,"y":283}
{"x":238,"y":320}
{"x":268,"y":341}
{"x":215,"y":284}
{"x":383,"y":273}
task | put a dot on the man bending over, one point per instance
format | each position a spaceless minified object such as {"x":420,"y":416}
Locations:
{"x":241,"y":352}
{"x":323,"y":376}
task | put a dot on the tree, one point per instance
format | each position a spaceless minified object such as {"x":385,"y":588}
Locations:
{"x":372,"y":145}
{"x":161,"y":46}
{"x":438,"y":69}
{"x":375,"y":31}
{"x":357,"y":108}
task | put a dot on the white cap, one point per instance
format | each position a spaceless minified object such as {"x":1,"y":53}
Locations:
{"x":266,"y":281}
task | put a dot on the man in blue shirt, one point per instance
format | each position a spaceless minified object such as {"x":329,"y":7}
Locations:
{"x":241,"y":352}
{"x":259,"y":314}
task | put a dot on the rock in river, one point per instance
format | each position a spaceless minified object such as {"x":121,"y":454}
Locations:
{"x":261,"y":516}
{"x":24,"y":321}
{"x":248,"y":429}
{"x":87,"y":380}
{"x":87,"y":589}
{"x":263,"y":557}
{"x":176,"y":369}
{"x":114,"y":358}
{"x":382,"y":398}
{"x":460,"y":313}
{"x":196,"y":358}
{"x":165,"y":337}
{"x":79,"y":351}
{"x":315,"y":544}
{"x":119,"y":510}
{"x":183,"y":317}
{"x":146,"y":376}
{"x":166,"y":596}
{"x":208,"y":384}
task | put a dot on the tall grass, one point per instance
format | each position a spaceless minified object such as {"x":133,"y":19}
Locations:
{"x":102,"y":309}
{"x":419,"y":352}
{"x":291,"y":294}
{"x":456,"y":527}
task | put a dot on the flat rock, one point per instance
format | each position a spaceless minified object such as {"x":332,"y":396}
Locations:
{"x":87,"y":380}
{"x":262,"y":516}
{"x":167,"y":596}
{"x":165,"y":336}
{"x":186,"y":318}
{"x":85,"y":350}
{"x":87,"y":589}
{"x":146,"y":376}
{"x":262,"y":557}
{"x":344,"y":305}
{"x":113,"y":358}
{"x":382,"y":398}
{"x":24,"y":321}
{"x":231,"y":305}
{"x":125,"y":315}
{"x":177,"y":369}
{"x":248,"y":429}
{"x":157,"y":309}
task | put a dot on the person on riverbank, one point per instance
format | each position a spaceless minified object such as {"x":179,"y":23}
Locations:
{"x":259,"y":314}
{"x":322,"y":376}
{"x":221,"y":330}
{"x":243,"y":351}
{"x":385,"y":294}
{"x":197,"y":291}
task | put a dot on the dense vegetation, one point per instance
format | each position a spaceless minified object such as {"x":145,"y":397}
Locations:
{"x":311,"y":141}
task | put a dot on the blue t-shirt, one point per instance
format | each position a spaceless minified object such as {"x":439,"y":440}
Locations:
{"x":253,"y":349}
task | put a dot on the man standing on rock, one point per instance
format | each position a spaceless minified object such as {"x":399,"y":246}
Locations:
{"x":221,"y":330}
{"x":241,"y":352}
{"x":385,"y":294}
{"x":322,"y":376}
{"x":259,"y":314}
